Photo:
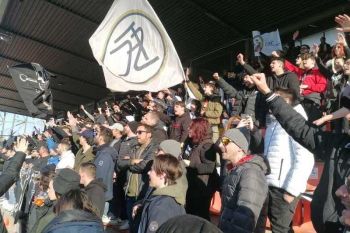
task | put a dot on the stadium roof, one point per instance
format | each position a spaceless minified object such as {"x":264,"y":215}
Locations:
{"x":55,"y":33}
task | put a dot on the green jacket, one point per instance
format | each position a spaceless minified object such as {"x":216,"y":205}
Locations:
{"x":214,"y":107}
{"x":81,"y":157}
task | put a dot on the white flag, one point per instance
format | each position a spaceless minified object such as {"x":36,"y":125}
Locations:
{"x":266,"y":43}
{"x":134,"y":49}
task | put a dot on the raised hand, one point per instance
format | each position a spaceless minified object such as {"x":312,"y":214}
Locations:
{"x":295,"y":35}
{"x":344,"y":22}
{"x":275,"y":54}
{"x":21,"y":145}
{"x":315,"y":49}
{"x":216,"y":76}
{"x":72,"y":121}
{"x":240,"y":59}
{"x":341,"y":39}
{"x":259,"y":80}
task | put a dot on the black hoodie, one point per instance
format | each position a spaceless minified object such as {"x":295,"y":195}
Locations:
{"x":95,"y":190}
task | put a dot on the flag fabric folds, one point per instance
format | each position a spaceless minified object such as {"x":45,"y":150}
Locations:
{"x":266,"y":43}
{"x":33,"y":84}
{"x":134,"y":50}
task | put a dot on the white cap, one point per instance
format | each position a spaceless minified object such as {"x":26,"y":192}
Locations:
{"x":117,"y":126}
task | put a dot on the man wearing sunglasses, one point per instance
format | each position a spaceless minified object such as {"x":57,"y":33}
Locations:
{"x":138,"y":166}
{"x":245,"y":188}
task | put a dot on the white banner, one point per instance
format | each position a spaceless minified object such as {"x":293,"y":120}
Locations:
{"x":134,"y":49}
{"x":266,"y":43}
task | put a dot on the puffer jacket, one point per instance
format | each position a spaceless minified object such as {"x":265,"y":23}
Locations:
{"x":290,"y":163}
{"x":74,"y":221}
{"x":213,"y":105}
{"x":243,"y":195}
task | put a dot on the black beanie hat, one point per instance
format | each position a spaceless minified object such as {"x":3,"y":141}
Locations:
{"x":66,"y":180}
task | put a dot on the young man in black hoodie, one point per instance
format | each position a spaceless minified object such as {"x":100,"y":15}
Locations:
{"x":94,"y":188}
{"x":279,"y":79}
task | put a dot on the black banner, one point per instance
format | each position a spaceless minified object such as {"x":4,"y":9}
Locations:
{"x":33,"y":84}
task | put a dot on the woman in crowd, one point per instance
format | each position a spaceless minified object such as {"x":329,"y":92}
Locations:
{"x":41,"y":204}
{"x":201,"y":172}
{"x":75,"y":213}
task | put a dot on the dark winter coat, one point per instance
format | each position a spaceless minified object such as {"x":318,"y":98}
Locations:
{"x":37,"y":213}
{"x":141,"y":168}
{"x":243,"y":195}
{"x":158,"y":133}
{"x":82,"y":157}
{"x":105,"y":162}
{"x":8,"y":178}
{"x":156,"y":210}
{"x":74,"y":221}
{"x":245,"y":98}
{"x":201,"y":171}
{"x":332,"y":148}
{"x":179,"y":128}
{"x":286,"y":80}
{"x":95,"y":190}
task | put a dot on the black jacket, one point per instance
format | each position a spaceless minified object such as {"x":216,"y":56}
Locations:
{"x":243,"y":195}
{"x":286,"y":80}
{"x":105,"y":162}
{"x":179,"y":128}
{"x":8,"y":178}
{"x":141,"y":168}
{"x":201,"y":173}
{"x":95,"y":190}
{"x":332,"y":148}
{"x":245,"y":98}
{"x":158,"y":133}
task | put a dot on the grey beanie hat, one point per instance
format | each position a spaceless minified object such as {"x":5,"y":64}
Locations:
{"x":171,"y":146}
{"x":241,"y":137}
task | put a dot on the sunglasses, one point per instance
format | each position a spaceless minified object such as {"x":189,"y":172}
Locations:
{"x":225,"y":141}
{"x":141,"y":131}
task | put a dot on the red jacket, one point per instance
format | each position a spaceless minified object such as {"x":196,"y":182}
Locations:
{"x":315,"y":81}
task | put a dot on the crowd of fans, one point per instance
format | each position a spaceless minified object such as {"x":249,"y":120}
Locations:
{"x":153,"y":161}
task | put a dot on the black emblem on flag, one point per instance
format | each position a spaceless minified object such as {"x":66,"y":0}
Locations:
{"x":33,"y":84}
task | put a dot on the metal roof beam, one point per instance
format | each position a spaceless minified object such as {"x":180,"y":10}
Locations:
{"x":8,"y":106}
{"x":3,"y":6}
{"x":303,"y":21}
{"x":47,"y":44}
{"x":215,"y":18}
{"x":73,"y":12}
